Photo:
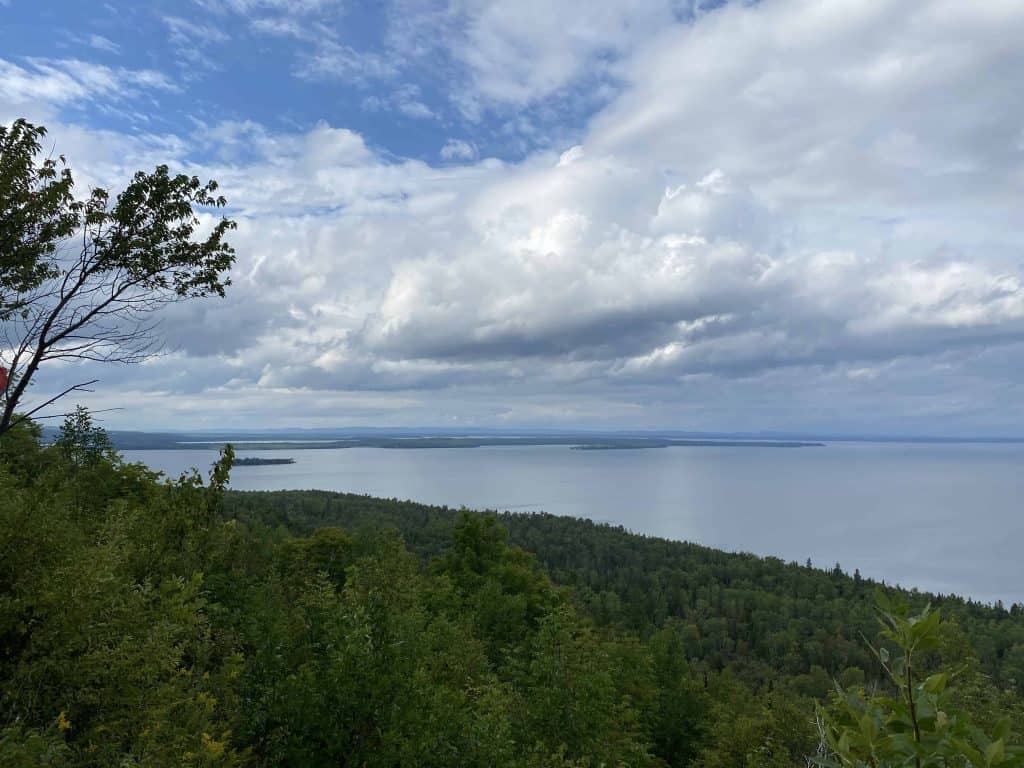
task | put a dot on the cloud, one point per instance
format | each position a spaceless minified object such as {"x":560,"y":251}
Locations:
{"x":331,"y":59}
{"x":246,"y":7}
{"x":520,"y":52}
{"x":793,"y":214}
{"x":406,"y":99}
{"x":553,"y":62}
{"x":96,"y":42}
{"x":67,"y":81}
{"x":517,"y":53}
{"x":281,"y":26}
{"x":408,"y":102}
{"x":815,"y":101}
{"x":190,"y":38}
{"x":184,"y":32}
{"x":457,"y":149}
{"x":101,"y":43}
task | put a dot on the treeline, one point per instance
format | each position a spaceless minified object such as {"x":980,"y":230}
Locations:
{"x":146,"y":622}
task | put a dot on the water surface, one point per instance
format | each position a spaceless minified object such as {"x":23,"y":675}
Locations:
{"x":940,"y":517}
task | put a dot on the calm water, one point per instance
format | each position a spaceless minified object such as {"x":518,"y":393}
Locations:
{"x":940,"y":517}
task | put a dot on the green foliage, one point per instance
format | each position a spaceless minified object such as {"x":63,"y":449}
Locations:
{"x":82,"y":441}
{"x":350,"y":665}
{"x":37,"y":211}
{"x":761,"y":619}
{"x":148,"y":231}
{"x":147,"y":621}
{"x":104,"y":624}
{"x":678,"y":720}
{"x":569,"y":701}
{"x":772,"y":731}
{"x":502,"y":588}
{"x":25,"y":748}
{"x":919,"y":724}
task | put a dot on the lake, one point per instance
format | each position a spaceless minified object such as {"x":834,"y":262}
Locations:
{"x":940,"y":517}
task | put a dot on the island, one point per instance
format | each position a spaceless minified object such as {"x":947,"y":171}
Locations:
{"x":252,"y":461}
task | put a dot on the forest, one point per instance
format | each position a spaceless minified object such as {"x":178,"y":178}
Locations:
{"x":151,"y":621}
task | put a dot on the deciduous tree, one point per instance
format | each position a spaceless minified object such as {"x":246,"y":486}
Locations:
{"x":81,"y":279}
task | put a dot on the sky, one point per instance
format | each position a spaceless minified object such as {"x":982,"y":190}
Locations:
{"x":791,"y":215}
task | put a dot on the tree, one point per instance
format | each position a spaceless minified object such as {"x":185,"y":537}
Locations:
{"x":81,"y":441}
{"x":81,"y":279}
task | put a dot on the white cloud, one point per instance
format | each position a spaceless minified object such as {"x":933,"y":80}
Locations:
{"x":245,"y":7}
{"x":457,"y":149}
{"x":406,"y":99}
{"x":191,"y":38}
{"x":327,"y":147}
{"x":281,"y":26}
{"x":792,"y":212}
{"x":330,"y":59}
{"x":94,"y":41}
{"x":65,"y":81}
{"x":184,"y":31}
{"x":101,"y":43}
{"x":519,"y":52}
{"x":498,"y":54}
{"x":570,"y":156}
{"x":903,"y":103}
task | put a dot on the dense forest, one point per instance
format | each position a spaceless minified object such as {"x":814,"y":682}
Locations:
{"x":147,"y":621}
{"x":758,"y":617}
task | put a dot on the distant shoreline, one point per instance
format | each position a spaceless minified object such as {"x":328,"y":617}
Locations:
{"x":430,"y":437}
{"x":602,"y":443}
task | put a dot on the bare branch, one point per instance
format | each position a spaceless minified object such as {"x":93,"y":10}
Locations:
{"x":76,"y":388}
{"x":71,"y":413}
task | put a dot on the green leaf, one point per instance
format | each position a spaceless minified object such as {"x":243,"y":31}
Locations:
{"x":936,"y":683}
{"x":995,"y":753}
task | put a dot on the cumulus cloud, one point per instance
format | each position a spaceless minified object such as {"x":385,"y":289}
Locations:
{"x":791,"y":214}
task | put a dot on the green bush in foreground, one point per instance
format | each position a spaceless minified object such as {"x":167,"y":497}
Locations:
{"x":918,"y":723}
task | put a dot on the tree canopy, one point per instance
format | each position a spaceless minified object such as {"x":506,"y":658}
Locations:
{"x":81,"y":278}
